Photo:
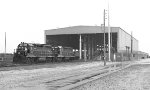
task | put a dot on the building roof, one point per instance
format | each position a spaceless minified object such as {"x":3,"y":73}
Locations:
{"x":79,"y":30}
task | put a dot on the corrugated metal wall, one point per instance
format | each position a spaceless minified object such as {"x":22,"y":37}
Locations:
{"x":125,"y":40}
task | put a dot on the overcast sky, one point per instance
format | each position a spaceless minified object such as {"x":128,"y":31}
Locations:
{"x":26,"y":20}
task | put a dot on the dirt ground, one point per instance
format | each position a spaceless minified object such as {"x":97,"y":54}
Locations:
{"x":30,"y":76}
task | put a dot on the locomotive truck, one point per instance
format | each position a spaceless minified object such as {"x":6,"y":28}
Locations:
{"x":34,"y":53}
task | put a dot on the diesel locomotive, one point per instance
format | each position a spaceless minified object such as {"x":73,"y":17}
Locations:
{"x":34,"y":53}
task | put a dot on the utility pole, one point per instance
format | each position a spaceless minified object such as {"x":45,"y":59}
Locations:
{"x":80,"y":46}
{"x":108,"y":35}
{"x":104,"y":42}
{"x":5,"y":42}
{"x":131,"y":45}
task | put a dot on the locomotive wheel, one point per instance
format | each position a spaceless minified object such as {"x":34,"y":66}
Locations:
{"x":32,"y":60}
{"x":62,"y":59}
{"x":22,"y":59}
{"x":66,"y":59}
{"x":28,"y":61}
{"x":59,"y":59}
{"x":48,"y":59}
{"x":71,"y":58}
{"x":36,"y":60}
{"x":53,"y":59}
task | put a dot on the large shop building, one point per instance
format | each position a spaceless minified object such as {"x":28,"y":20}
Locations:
{"x":89,"y":41}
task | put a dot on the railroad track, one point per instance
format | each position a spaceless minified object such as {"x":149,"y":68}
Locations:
{"x":78,"y":79}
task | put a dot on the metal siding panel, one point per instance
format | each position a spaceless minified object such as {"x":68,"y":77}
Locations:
{"x":118,"y":41}
{"x":78,"y":30}
{"x":125,"y":40}
{"x":44,"y":37}
{"x":135,"y":45}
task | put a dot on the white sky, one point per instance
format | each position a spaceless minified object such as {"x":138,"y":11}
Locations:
{"x":26,"y":20}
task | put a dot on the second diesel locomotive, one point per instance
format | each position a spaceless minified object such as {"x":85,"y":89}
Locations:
{"x":33,"y":53}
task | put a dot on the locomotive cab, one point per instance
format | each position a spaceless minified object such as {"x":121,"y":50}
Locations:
{"x":21,"y":52}
{"x":64,"y":53}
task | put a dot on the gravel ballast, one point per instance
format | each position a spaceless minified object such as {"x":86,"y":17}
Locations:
{"x":136,"y":77}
